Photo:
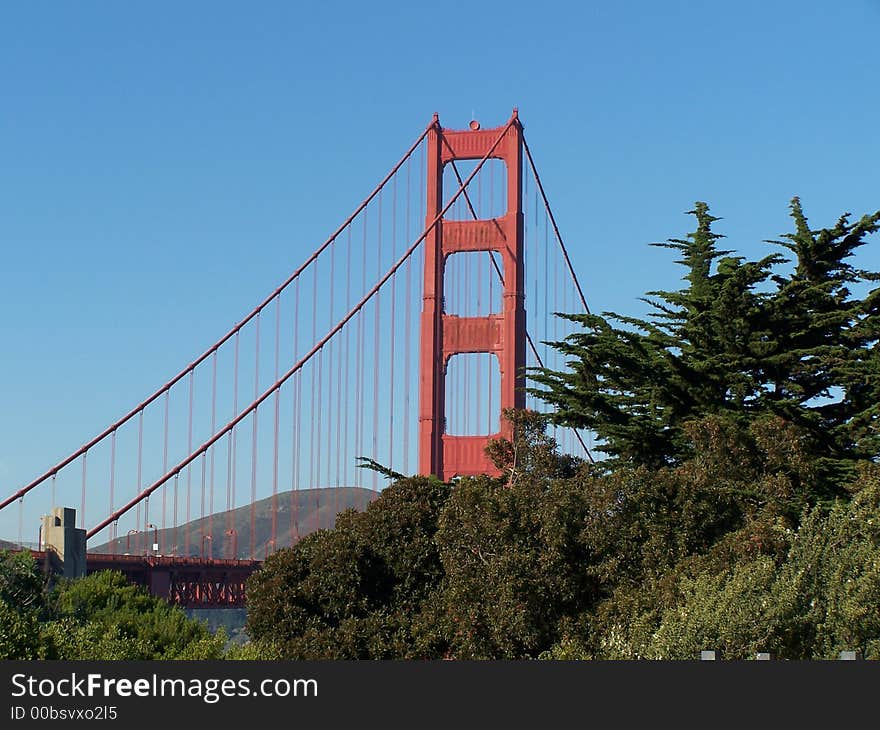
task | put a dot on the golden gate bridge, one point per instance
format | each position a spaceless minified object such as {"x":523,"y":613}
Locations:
{"x":400,"y":339}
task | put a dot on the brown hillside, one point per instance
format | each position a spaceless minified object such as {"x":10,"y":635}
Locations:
{"x":299,"y":513}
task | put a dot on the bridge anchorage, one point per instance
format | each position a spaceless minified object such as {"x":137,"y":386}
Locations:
{"x":400,"y":339}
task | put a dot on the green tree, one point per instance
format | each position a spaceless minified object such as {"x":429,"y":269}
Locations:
{"x":821,"y":370}
{"x":103,"y":616}
{"x":100,"y":616}
{"x":827,"y":593}
{"x":815,"y":597}
{"x":530,"y":451}
{"x":22,"y":599}
{"x":19,"y":633}
{"x":514,"y":566}
{"x":351,"y":592}
{"x":737,"y":341}
{"x":21,"y":583}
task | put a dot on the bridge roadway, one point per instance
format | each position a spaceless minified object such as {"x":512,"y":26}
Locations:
{"x":185,"y":582}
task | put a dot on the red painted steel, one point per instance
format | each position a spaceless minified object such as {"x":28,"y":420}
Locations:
{"x":185,"y":582}
{"x":188,"y":583}
{"x":442,"y":335}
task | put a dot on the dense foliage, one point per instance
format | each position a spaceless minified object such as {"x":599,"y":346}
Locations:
{"x":101,"y":616}
{"x":723,"y":551}
{"x":738,"y":508}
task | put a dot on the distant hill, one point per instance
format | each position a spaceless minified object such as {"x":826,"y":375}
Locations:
{"x":299,"y":513}
{"x":11,"y":545}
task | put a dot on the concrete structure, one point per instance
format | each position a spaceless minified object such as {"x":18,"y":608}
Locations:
{"x":65,"y":544}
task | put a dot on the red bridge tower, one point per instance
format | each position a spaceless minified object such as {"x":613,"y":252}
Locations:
{"x":501,"y":334}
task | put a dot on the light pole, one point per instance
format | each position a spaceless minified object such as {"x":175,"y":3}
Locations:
{"x":155,"y":536}
{"x":128,"y":541}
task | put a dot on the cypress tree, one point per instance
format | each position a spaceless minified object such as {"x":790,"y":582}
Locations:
{"x":738,"y":341}
{"x":822,"y":371}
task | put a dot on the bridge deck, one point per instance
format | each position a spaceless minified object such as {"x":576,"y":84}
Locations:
{"x":186,"y":582}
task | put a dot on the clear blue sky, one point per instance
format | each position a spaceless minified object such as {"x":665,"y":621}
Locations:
{"x":163,"y":166}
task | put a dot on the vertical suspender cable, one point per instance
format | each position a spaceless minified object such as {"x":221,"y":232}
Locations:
{"x":319,"y":425}
{"x":422,"y":218}
{"x":230,"y":448}
{"x":82,"y":513}
{"x":555,"y":328}
{"x":392,"y":384}
{"x":175,"y":546}
{"x":361,"y":358}
{"x":297,"y":422}
{"x":341,"y":357}
{"x":256,"y":418}
{"x":348,"y":358}
{"x":317,"y":414}
{"x":139,"y":467}
{"x":202,"y":532}
{"x":203,"y":492}
{"x":176,"y":541}
{"x":546,"y":288}
{"x":375,"y":450}
{"x":277,"y":419}
{"x":112,"y":478}
{"x":213,"y":450}
{"x":315,"y":420}
{"x":329,"y":419}
{"x":163,"y":547}
{"x":319,"y":493}
{"x":569,"y":307}
{"x":314,"y":442}
{"x":330,"y":410}
{"x":407,"y":331}
{"x":537,"y":260}
{"x":189,"y":446}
